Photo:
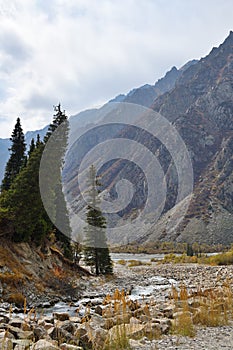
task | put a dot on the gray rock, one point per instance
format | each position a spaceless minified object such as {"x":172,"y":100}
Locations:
{"x":63,"y":316}
{"x":44,"y":345}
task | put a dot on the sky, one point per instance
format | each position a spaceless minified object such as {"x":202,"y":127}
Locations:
{"x":82,"y":53}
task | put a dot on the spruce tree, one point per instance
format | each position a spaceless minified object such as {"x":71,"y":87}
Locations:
{"x":23,"y":201}
{"x":17,"y":156}
{"x":58,"y":138}
{"x":32,"y":147}
{"x":96,"y":252}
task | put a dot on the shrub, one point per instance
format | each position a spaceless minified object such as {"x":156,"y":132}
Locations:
{"x":121,"y":262}
{"x":16,"y":298}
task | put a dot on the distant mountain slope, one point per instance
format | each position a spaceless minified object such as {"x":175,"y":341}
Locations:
{"x":200,"y":106}
{"x":4,"y":154}
{"x":5,"y":144}
{"x":146,"y":94}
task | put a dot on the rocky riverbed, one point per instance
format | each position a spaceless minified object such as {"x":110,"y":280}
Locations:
{"x":138,"y":308}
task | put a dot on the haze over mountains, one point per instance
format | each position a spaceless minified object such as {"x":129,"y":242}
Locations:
{"x":144,"y":95}
{"x":198,"y":100}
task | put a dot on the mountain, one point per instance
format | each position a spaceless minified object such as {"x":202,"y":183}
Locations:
{"x":199,"y":104}
{"x":5,"y":144}
{"x":146,"y":94}
{"x":201,"y":108}
{"x":4,"y":154}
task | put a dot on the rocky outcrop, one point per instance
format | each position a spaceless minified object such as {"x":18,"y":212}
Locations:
{"x":36,"y":276}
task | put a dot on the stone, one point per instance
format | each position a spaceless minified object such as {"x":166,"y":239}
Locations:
{"x":97,"y":321}
{"x":135,"y":344}
{"x":70,"y":347}
{"x":6,"y":334}
{"x":63,"y":316}
{"x":44,"y":345}
{"x":59,"y":334}
{"x":4,"y":319}
{"x":129,"y":330}
{"x":168,"y":311}
{"x":134,"y":320}
{"x":82,"y":335}
{"x":39,"y":333}
{"x":19,"y":333}
{"x":99,"y":310}
{"x":22,"y":344}
{"x":17,"y":322}
{"x":75,"y":319}
{"x":68,"y":326}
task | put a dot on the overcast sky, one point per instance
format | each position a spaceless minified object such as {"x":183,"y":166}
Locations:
{"x":84,"y":52}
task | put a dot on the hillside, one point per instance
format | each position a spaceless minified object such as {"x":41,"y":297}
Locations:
{"x":40,"y":276}
{"x":201,"y":108}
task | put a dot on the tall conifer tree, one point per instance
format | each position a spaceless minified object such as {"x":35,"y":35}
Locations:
{"x":29,"y":218}
{"x":96,"y":252}
{"x":17,"y":156}
{"x":57,"y":148}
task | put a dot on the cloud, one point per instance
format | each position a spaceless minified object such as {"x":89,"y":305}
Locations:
{"x":84,"y":52}
{"x":12,"y":45}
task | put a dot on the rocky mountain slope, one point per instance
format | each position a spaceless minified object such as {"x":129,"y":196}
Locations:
{"x":200,"y":106}
{"x":145,"y":95}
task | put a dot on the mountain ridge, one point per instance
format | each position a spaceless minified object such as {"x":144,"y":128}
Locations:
{"x":79,"y":120}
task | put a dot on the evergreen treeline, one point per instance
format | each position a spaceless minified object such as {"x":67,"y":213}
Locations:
{"x":22,"y":214}
{"x":23,"y":217}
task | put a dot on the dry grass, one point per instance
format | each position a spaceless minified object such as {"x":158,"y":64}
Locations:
{"x":212,"y":307}
{"x":121,"y":262}
{"x":118,"y":311}
{"x":16,"y":298}
{"x":225,"y":258}
{"x":133,"y":263}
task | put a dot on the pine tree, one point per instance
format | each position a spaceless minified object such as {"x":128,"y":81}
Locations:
{"x":96,"y":252}
{"x":23,"y":201}
{"x":32,"y":147}
{"x":189,"y":249}
{"x":17,"y":158}
{"x":58,"y":138}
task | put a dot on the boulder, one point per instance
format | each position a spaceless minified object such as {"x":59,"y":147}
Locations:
{"x":44,"y":345}
{"x":63,"y":316}
{"x":19,"y":333}
{"x":21,"y":344}
{"x":39,"y":333}
{"x":68,"y":326}
{"x":126,"y":330}
{"x":60,"y":334}
{"x":17,"y":322}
